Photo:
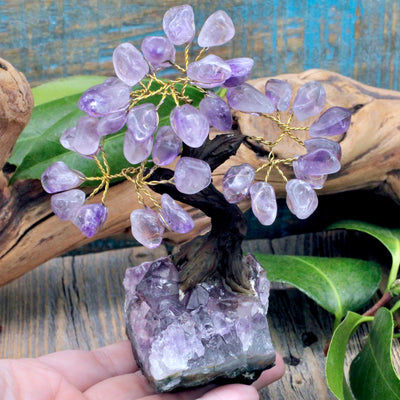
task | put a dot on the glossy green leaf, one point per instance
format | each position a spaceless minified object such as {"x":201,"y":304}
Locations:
{"x":372,"y":376}
{"x":39,"y":146}
{"x":336,"y":284}
{"x":335,"y":374}
{"x":65,"y":87}
{"x":390,"y":238}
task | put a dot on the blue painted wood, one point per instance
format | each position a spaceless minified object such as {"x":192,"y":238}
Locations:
{"x":47,"y":39}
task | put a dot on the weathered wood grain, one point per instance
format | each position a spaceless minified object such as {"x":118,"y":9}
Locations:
{"x":77,"y":302}
{"x":358,"y":38}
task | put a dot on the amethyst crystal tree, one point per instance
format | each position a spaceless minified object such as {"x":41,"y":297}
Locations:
{"x":200,"y":314}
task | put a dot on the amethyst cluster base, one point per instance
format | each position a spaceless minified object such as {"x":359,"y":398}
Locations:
{"x":209,"y":333}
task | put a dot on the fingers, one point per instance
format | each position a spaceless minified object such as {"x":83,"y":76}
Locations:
{"x":271,"y":375}
{"x":84,"y":369}
{"x":231,"y":392}
{"x":134,"y":387}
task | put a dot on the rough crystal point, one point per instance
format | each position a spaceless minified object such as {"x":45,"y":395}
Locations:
{"x":279,"y":92}
{"x":166,"y":146}
{"x":217,"y":112}
{"x":315,"y":181}
{"x":190,"y":125}
{"x":217,"y":30}
{"x":147,"y":229}
{"x":90,"y":218}
{"x":237,"y":181}
{"x":211,"y":71}
{"x":58,"y":177}
{"x":191,"y":175}
{"x":110,"y":96}
{"x":209,"y":333}
{"x":129,"y":64}
{"x":309,"y":100}
{"x":142,"y":121}
{"x":174,"y":216}
{"x":263,"y":202}
{"x":301,"y":198}
{"x":334,"y":121}
{"x":66,"y":204}
{"x":240,"y":71}
{"x":318,"y":162}
{"x":248,"y":99}
{"x":158,"y":51}
{"x":178,"y":24}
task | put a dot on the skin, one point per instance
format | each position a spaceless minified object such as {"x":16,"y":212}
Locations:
{"x":105,"y":373}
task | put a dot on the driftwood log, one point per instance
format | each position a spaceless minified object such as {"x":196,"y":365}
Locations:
{"x":30,"y":234}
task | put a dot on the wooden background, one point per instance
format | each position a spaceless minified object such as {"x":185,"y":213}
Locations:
{"x":48,"y":39}
{"x":75,"y":301}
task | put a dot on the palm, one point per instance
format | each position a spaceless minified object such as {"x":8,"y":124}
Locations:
{"x":102,"y":374}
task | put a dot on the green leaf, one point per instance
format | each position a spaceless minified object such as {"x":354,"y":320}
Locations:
{"x":390,"y":238}
{"x":65,"y":87}
{"x":38,"y":146}
{"x":372,"y":376}
{"x":335,"y":374}
{"x":336,"y":284}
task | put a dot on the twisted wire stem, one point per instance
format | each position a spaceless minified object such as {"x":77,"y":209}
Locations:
{"x":287,"y":130}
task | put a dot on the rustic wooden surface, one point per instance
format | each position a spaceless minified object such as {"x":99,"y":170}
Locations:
{"x":77,"y":302}
{"x":47,"y":39}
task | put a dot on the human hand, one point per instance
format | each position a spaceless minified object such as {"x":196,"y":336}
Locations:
{"x":108,"y":373}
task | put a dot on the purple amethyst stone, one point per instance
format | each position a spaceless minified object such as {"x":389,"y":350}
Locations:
{"x":309,"y":100}
{"x":279,"y":92}
{"x":58,"y":177}
{"x":334,"y":121}
{"x":217,"y":112}
{"x":183,"y":340}
{"x":90,"y":218}
{"x":241,"y":69}
{"x":174,"y":216}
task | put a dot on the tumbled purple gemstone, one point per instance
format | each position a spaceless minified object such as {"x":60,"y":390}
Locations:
{"x":142,"y":121}
{"x":240,"y":71}
{"x":217,"y":30}
{"x":309,"y":100}
{"x":66,"y":204}
{"x":158,"y":51}
{"x":263,"y":202}
{"x":174,"y":216}
{"x":58,"y":177}
{"x":90,"y":218}
{"x":192,"y":175}
{"x":334,"y":121}
{"x":326,"y":144}
{"x":301,"y":198}
{"x":111,"y":123}
{"x":315,"y":181}
{"x":211,"y":71}
{"x":129,"y":64}
{"x":147,"y":229}
{"x":190,"y":125}
{"x":248,"y":99}
{"x":84,"y":139}
{"x":210,"y":332}
{"x":237,"y":181}
{"x":217,"y":112}
{"x":279,"y":92}
{"x":134,"y":151}
{"x":167,"y":146}
{"x":318,"y":162}
{"x":110,"y":96}
{"x":68,"y":137}
{"x":178,"y":24}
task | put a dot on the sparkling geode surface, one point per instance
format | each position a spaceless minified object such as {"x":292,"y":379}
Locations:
{"x":209,"y":333}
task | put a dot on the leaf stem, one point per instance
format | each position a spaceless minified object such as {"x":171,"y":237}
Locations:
{"x":395,"y":307}
{"x":394,"y":270}
{"x":380,"y":303}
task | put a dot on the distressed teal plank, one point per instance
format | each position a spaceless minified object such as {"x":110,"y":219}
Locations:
{"x":47,"y":39}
